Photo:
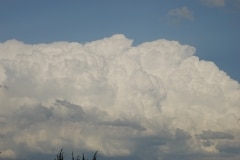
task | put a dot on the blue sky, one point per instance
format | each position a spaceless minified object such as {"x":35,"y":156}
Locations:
{"x":133,"y":79}
{"x":213,"y":28}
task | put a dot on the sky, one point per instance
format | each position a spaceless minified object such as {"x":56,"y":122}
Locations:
{"x":211,"y":26}
{"x":139,"y":79}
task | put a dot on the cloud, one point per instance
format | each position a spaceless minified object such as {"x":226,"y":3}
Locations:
{"x":230,"y":148}
{"x":229,"y":6}
{"x":214,"y":3}
{"x":8,"y":154}
{"x":214,"y":135}
{"x":154,"y":100}
{"x":179,"y":14}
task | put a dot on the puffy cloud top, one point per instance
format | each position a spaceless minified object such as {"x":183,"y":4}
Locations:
{"x":153,"y":100}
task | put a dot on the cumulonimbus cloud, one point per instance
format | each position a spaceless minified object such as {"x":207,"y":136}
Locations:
{"x":152,"y":100}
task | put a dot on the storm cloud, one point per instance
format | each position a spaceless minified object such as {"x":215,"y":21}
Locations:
{"x":156,"y":100}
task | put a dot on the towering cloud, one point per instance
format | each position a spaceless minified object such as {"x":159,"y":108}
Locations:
{"x":155,"y":100}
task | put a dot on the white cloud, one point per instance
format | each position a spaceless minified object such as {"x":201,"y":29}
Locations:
{"x":178,"y":14}
{"x":152,"y":100}
{"x":214,"y":3}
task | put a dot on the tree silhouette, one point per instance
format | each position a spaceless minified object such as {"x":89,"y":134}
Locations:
{"x":95,"y":156}
{"x":60,"y":156}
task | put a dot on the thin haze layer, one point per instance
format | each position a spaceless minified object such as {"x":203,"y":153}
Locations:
{"x":155,"y":100}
